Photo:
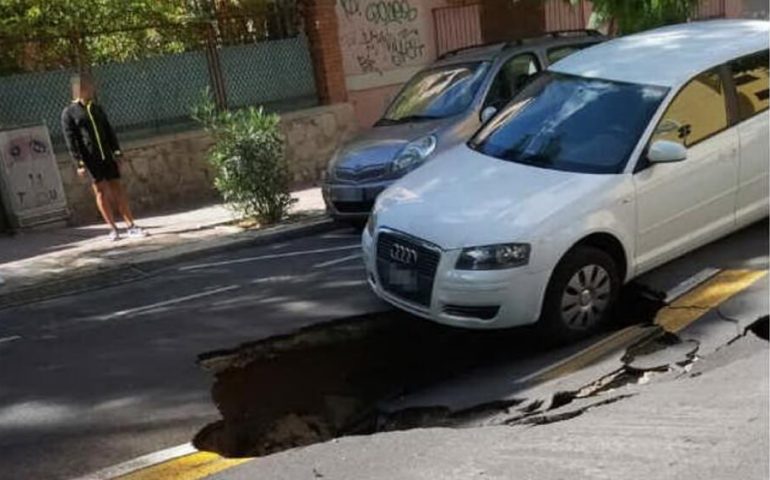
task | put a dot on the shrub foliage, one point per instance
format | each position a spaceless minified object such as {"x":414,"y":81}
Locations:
{"x":249,"y":160}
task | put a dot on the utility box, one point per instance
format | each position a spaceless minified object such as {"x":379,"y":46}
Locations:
{"x":30,"y":182}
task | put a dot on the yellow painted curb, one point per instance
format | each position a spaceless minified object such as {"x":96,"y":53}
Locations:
{"x":696,"y":303}
{"x":594,"y":353}
{"x":189,"y":467}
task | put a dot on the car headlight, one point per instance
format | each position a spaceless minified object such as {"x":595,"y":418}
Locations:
{"x":414,"y":154}
{"x":494,"y":257}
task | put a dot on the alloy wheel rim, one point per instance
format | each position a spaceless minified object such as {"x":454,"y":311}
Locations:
{"x":586,"y":297}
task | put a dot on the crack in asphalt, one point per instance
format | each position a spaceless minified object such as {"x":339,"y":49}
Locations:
{"x":546,"y":419}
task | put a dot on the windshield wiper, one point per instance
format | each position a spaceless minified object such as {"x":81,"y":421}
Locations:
{"x":406,"y":119}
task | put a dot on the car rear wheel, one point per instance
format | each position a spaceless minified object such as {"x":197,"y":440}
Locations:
{"x":581,"y":294}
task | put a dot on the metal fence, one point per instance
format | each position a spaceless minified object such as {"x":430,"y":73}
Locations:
{"x":241,"y":61}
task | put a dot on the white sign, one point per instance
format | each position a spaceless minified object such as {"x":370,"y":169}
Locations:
{"x":31,"y":184}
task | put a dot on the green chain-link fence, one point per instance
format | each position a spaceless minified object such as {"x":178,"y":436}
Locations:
{"x":155,"y":93}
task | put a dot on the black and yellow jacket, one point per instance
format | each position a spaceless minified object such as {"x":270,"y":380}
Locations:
{"x":88,"y":133}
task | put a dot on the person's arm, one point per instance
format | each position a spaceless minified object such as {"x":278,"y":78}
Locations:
{"x":72,"y":138}
{"x":110,"y":133}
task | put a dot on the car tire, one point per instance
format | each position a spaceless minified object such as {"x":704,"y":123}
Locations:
{"x":581,"y":294}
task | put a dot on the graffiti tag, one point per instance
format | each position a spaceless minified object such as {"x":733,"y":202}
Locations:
{"x":386,"y":12}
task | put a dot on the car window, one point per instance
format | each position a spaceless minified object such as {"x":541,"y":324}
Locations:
{"x":437,"y":93}
{"x":750,"y":77}
{"x":576,"y":124}
{"x":698,"y":111}
{"x":556,"y":54}
{"x":512,"y":76}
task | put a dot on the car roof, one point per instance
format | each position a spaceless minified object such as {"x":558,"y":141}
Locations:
{"x":491,"y":51}
{"x":668,"y":56}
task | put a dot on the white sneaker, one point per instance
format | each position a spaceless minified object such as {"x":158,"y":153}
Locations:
{"x":136,"y":232}
{"x":114,"y":236}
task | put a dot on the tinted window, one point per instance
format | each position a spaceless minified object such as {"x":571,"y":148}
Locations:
{"x":571,"y":123}
{"x":437,"y":93}
{"x":697,"y":112}
{"x":556,"y":54}
{"x":750,"y":76}
{"x":512,"y":76}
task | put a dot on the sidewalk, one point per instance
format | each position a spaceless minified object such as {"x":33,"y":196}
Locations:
{"x":37,"y":264}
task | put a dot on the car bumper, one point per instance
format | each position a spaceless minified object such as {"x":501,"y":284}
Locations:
{"x":352,"y":201}
{"x":460,"y":298}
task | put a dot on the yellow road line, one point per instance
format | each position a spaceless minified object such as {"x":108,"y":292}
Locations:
{"x":593,"y":353}
{"x":690,"y":307}
{"x":189,"y":467}
{"x":673,"y":318}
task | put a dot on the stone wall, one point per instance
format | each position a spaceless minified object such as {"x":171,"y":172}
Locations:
{"x":170,"y":172}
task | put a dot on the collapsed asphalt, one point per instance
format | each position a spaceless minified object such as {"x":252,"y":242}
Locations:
{"x":328,"y":381}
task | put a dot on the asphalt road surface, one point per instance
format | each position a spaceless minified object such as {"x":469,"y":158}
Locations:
{"x":97,"y":378}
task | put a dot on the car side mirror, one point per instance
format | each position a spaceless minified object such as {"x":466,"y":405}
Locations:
{"x":666,"y":151}
{"x":488,"y":113}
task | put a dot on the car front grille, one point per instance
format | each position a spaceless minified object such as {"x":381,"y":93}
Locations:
{"x":373,"y":172}
{"x":421,"y":260}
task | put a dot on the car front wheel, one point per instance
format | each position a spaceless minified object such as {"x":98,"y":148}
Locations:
{"x":581,"y":294}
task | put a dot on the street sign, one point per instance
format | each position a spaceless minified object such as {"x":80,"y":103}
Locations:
{"x":29,"y":177}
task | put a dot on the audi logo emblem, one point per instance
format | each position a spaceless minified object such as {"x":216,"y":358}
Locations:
{"x":403,"y":254}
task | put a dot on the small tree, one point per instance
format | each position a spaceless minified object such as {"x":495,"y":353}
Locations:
{"x":637,"y":15}
{"x":248,"y":157}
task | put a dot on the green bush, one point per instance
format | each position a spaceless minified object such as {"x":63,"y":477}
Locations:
{"x":249,"y":160}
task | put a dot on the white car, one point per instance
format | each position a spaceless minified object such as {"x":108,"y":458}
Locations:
{"x":617,"y":159}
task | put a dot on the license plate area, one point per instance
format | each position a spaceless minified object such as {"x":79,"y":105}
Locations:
{"x":404,"y":278}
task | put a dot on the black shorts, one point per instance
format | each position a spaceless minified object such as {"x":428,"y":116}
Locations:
{"x":101,"y":170}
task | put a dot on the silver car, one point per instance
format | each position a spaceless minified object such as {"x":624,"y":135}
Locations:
{"x":440,"y":107}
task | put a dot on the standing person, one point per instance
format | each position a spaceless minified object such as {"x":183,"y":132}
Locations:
{"x":92,"y":144}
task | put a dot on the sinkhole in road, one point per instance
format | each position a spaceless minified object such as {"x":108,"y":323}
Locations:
{"x":761,"y":328}
{"x":327,"y":381}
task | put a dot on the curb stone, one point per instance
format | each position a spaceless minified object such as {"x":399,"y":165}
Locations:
{"x":106,"y":276}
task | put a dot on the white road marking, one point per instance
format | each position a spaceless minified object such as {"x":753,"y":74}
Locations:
{"x":337,"y":261}
{"x":341,"y":236}
{"x":174,"y":301}
{"x":267,"y":257}
{"x":9,"y":339}
{"x":141,"y":462}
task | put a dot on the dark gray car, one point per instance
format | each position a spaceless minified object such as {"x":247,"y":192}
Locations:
{"x":440,"y":107}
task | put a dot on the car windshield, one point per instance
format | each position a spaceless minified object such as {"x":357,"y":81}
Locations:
{"x":436,"y":93}
{"x":571,"y":123}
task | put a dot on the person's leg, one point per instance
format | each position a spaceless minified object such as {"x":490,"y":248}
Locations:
{"x":121,"y":200}
{"x":104,"y":202}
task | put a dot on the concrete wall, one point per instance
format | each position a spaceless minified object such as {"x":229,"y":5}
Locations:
{"x":170,"y":171}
